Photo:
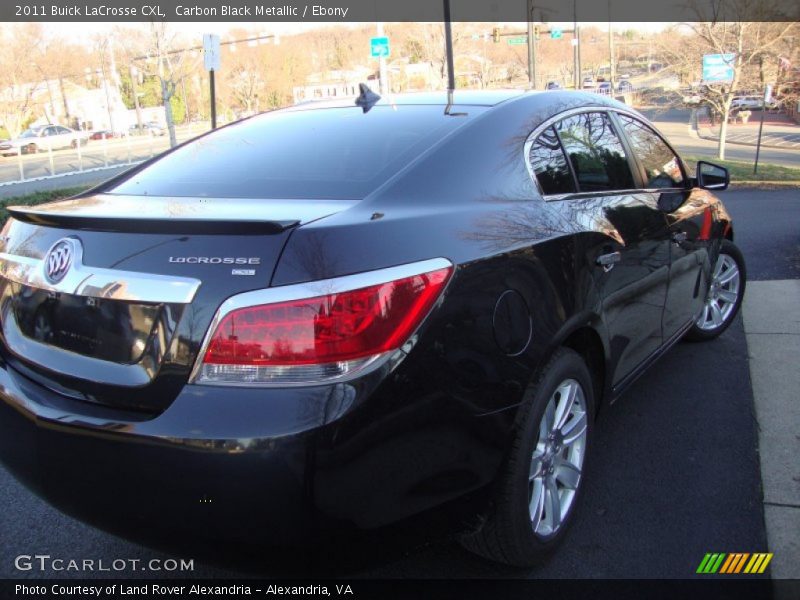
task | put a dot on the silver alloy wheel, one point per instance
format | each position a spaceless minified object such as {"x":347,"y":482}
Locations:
{"x":557,"y":460}
{"x":722,"y":294}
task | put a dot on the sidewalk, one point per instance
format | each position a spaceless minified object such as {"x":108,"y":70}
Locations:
{"x":779,"y":130}
{"x":772,"y":327}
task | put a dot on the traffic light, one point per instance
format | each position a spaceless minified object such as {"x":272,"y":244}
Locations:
{"x":496,"y":35}
{"x":536,"y":32}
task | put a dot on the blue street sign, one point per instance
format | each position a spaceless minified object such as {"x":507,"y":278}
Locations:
{"x":718,"y":67}
{"x":379,"y":47}
{"x":556,"y":34}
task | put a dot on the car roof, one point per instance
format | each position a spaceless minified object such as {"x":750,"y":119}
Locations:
{"x":460,"y":98}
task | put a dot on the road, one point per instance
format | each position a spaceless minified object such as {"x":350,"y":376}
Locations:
{"x":674,"y":472}
{"x":674,"y":124}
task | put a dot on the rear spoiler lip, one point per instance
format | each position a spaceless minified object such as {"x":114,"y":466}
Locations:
{"x":148,"y":225}
{"x":178,"y":215}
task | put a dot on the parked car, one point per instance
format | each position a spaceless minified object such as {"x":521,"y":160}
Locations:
{"x":604,"y":87}
{"x":624,"y":86}
{"x":692,"y":98}
{"x":45,"y":137}
{"x":104,"y":134}
{"x":751,"y":103}
{"x":149,"y":128}
{"x":553,"y":85}
{"x":588,"y":83}
{"x":742,"y":102}
{"x":255,"y":337}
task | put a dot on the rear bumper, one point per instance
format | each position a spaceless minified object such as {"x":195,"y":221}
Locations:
{"x":278,"y":466}
{"x":205,"y":469}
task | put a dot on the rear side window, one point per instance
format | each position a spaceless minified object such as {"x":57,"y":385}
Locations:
{"x":596,"y":153}
{"x":333,"y":153}
{"x":548,"y":162}
{"x":661,"y":165}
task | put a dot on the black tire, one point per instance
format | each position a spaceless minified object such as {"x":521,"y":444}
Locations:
{"x":507,"y":534}
{"x":702,"y":333}
{"x":30,"y":149}
{"x":73,"y":144}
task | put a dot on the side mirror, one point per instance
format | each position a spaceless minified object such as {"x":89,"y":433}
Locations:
{"x":712,"y":177}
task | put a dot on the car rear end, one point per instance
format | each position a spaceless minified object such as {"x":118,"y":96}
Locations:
{"x":148,"y":371}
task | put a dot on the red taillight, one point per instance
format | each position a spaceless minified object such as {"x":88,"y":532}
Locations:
{"x":287,"y":341}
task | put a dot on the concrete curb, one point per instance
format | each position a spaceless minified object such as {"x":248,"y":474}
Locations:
{"x":771,"y":313}
{"x":763,"y":184}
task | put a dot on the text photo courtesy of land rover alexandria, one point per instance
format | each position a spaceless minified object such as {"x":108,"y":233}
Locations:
{"x":337,"y":316}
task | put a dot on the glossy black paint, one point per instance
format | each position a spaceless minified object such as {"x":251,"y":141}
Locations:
{"x":403,"y":439}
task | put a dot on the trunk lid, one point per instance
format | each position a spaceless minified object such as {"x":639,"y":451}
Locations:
{"x":107,"y":298}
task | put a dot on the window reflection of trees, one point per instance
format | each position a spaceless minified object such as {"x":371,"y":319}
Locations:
{"x":596,"y":152}
{"x":660,"y":163}
{"x":550,"y":165}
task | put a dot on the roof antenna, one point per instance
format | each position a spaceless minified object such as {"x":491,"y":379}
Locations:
{"x":448,"y":48}
{"x":366,"y":97}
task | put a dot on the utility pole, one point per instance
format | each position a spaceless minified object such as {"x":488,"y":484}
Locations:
{"x":531,"y":47}
{"x":103,"y":47}
{"x":64,"y":100}
{"x":576,"y":62}
{"x":578,"y":47}
{"x":135,"y":90}
{"x":611,"y":48}
{"x":384,"y":84}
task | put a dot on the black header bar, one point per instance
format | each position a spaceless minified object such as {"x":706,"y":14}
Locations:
{"x":397,"y":10}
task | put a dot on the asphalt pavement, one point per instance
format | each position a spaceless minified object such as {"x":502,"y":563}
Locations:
{"x":674,"y":472}
{"x":675,"y":124}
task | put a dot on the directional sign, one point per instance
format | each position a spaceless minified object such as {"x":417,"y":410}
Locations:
{"x":211,"y":52}
{"x":518,"y":41}
{"x":379,"y":47}
{"x":556,"y":34}
{"x":718,"y":67}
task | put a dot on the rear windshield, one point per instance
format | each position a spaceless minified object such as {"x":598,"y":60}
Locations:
{"x":334,"y":153}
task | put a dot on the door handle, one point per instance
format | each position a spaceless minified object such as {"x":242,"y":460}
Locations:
{"x":607,"y":261}
{"x":679,"y":237}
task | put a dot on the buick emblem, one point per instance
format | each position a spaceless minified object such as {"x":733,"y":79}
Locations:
{"x":59,"y":259}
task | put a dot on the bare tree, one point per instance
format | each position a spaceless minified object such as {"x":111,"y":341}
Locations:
{"x":752,"y":44}
{"x":19,"y":81}
{"x":170,"y":67}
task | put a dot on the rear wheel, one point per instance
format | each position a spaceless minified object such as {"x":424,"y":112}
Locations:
{"x":725,"y":293}
{"x":30,"y":149}
{"x":538,"y":491}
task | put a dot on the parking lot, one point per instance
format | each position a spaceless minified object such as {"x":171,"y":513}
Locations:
{"x":674,"y":471}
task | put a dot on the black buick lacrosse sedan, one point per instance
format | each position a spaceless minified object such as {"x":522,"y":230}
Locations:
{"x":337,"y":317}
